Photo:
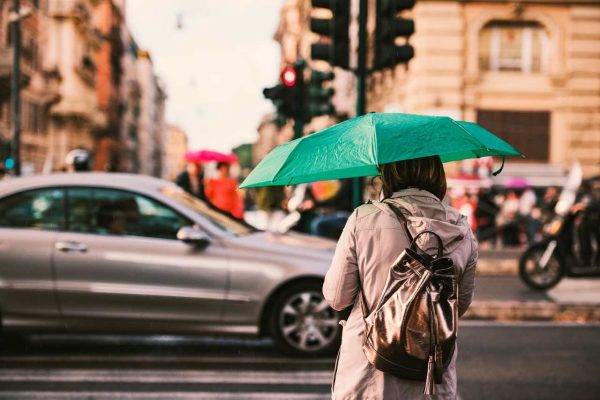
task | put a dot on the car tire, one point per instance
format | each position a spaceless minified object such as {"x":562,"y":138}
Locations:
{"x":541,"y":283}
{"x":302,"y":324}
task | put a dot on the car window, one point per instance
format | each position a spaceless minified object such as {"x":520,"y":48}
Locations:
{"x":218,"y":218}
{"x":34,"y":209}
{"x":116,"y":212}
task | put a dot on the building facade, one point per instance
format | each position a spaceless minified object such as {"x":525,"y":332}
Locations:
{"x":85,"y":84}
{"x":527,"y":70}
{"x":151,"y":118}
{"x":76,"y":120}
{"x":39,"y":90}
{"x":175,"y":145}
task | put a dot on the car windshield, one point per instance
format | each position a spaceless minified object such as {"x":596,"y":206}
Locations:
{"x":217,"y":217}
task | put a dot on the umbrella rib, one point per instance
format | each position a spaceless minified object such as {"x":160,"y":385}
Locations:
{"x":287,"y":159}
{"x":375,"y":147}
{"x":471,"y":136}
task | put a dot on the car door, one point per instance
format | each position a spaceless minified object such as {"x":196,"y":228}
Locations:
{"x":120,"y":258}
{"x":29,"y":223}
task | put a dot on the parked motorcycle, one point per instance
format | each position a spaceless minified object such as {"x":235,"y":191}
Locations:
{"x":545,"y":263}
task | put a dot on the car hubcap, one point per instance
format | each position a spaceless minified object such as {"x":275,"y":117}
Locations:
{"x":307,"y":322}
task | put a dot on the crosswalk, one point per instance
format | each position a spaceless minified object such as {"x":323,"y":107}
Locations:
{"x":196,"y":372}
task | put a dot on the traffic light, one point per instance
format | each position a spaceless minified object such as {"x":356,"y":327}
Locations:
{"x":288,"y":94}
{"x":6,"y":159}
{"x":390,"y":26}
{"x":335,"y":30}
{"x":319,"y":97}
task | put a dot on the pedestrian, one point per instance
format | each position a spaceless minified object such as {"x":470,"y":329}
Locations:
{"x":192,"y":179}
{"x":507,"y":219}
{"x":223,"y":193}
{"x":372,"y":240}
{"x":332,"y":206}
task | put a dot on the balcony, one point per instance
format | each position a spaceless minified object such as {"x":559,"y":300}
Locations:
{"x":68,"y":9}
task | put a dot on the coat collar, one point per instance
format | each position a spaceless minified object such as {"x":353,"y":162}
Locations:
{"x":414,"y":192}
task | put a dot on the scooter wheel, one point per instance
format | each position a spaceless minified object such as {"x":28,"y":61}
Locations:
{"x":536,"y":277}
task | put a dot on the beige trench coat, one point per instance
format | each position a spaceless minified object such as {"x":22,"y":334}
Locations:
{"x":372,"y":239}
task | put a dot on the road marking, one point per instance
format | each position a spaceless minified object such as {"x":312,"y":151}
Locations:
{"x":96,"y":395}
{"x":166,"y":376}
{"x":164,"y":359}
{"x":525,"y":324}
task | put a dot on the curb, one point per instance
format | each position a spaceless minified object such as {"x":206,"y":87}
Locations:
{"x":533,"y":311}
{"x":497,"y":267}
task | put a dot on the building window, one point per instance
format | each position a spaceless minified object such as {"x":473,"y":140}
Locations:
{"x":519,"y":46}
{"x":528,"y":131}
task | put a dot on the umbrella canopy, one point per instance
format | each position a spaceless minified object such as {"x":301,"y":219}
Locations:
{"x":354,"y":148}
{"x":200,"y":156}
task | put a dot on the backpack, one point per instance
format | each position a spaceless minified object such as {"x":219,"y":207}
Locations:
{"x":411,"y":331}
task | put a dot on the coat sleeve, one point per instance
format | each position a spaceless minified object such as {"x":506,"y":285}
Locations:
{"x":466,"y":286}
{"x":342,"y":280}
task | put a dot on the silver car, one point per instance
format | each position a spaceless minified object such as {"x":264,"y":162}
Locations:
{"x":122,"y":253}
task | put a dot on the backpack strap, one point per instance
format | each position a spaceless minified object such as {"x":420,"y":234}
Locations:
{"x":401,"y":217}
{"x":363,"y":302}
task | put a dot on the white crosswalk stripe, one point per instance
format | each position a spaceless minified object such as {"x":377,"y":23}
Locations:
{"x":91,"y":377}
{"x":166,"y":376}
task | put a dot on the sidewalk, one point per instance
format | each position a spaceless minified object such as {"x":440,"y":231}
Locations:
{"x":504,"y":262}
{"x":500,"y":295}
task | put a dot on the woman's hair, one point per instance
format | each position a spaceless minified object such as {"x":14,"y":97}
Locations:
{"x":425,"y":173}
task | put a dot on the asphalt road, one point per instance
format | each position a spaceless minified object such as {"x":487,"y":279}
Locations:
{"x":531,"y":361}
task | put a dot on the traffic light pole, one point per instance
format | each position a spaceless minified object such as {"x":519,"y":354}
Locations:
{"x":15,"y":101}
{"x":299,"y":98}
{"x":361,"y":76}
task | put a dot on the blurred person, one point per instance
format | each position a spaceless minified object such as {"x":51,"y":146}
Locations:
{"x":192,"y":180}
{"x":78,"y":160}
{"x":507,"y":219}
{"x":270,"y":204}
{"x":588,"y":229}
{"x":549,"y":201}
{"x":485,"y":213}
{"x":529,"y":214}
{"x":372,"y":240}
{"x":332,"y":202}
{"x":223,"y":193}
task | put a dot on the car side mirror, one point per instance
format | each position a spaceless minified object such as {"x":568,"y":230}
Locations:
{"x":193,"y":236}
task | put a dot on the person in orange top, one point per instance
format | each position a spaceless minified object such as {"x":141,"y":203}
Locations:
{"x":223,"y":193}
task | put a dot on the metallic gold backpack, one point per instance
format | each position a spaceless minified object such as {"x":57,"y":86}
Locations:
{"x":411,"y":331}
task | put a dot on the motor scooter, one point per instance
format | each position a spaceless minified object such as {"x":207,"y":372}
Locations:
{"x":546,"y":262}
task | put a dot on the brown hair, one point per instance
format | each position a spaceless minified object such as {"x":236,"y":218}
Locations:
{"x":425,"y":173}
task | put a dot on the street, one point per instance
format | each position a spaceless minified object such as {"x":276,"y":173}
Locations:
{"x":497,"y":361}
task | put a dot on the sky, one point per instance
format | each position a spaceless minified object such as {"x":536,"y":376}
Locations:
{"x":214,"y":67}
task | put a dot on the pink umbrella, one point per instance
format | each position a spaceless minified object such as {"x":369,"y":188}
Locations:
{"x":201,"y":156}
{"x":516,"y":183}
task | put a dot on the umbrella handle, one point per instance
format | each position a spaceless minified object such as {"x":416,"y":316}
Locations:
{"x":499,"y":169}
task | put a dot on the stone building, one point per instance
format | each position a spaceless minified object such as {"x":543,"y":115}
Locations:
{"x":73,"y":41}
{"x":38,"y":84}
{"x":108,"y":19}
{"x":175,"y":144}
{"x":528,"y":70}
{"x":151,"y":118}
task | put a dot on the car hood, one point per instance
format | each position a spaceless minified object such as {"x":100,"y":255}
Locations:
{"x":290,"y":243}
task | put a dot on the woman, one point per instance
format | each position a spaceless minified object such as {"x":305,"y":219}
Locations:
{"x":223,"y":193}
{"x":372,"y":239}
{"x":192,"y":179}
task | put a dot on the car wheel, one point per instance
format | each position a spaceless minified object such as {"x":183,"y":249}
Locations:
{"x":303,"y":324}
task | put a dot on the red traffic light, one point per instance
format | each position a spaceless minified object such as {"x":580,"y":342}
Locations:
{"x":289,"y":77}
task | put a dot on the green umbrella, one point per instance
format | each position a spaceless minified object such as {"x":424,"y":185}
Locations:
{"x":355,"y":148}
